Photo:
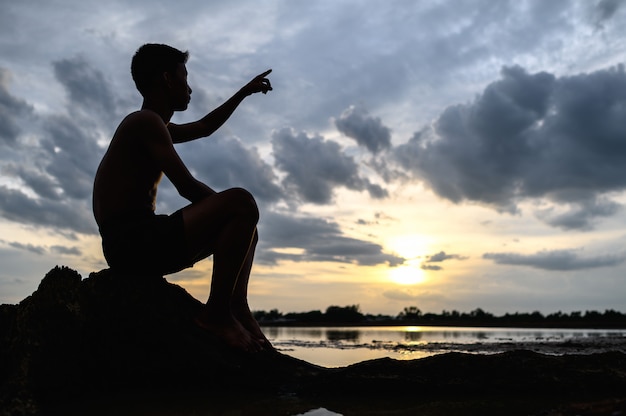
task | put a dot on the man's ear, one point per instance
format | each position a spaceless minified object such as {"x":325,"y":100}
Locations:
{"x":167,"y":78}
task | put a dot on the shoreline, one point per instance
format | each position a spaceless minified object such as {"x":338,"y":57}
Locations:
{"x":331,"y":347}
{"x":570,"y":346}
{"x":617,"y":326}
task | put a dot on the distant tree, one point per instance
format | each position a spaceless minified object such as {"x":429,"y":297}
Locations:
{"x":305,"y":317}
{"x":479,"y":315}
{"x":349,"y":314}
{"x":576,"y":315}
{"x":410,"y":313}
{"x":263,"y":316}
{"x":592,"y":315}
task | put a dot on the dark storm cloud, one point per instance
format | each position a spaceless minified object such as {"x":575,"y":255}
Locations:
{"x":73,"y":155}
{"x":315,"y":166}
{"x":581,"y":215}
{"x":368,"y":131}
{"x":530,"y":136}
{"x":224,"y":162}
{"x":56,"y":164}
{"x":382,"y":57}
{"x":86,"y":86}
{"x":319,"y":239}
{"x":11,"y":108}
{"x":19,"y":207}
{"x":605,"y":10}
{"x":555,"y":260}
{"x":40,"y":183}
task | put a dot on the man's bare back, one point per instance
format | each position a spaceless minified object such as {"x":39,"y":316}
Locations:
{"x":127,"y":178}
{"x":222,"y":224}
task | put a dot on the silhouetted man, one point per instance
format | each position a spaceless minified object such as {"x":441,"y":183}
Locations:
{"x":222,"y":224}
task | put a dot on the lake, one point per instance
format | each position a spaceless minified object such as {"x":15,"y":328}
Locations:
{"x":342,"y":346}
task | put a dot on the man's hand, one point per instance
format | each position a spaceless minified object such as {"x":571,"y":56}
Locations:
{"x":258,"y":84}
{"x":214,"y":120}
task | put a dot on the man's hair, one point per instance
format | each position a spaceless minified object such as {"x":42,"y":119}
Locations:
{"x":151,"y":60}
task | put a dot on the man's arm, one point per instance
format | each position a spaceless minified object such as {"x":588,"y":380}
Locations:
{"x":208,"y":124}
{"x":161,"y":149}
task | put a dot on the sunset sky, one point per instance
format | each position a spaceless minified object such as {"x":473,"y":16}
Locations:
{"x":447,"y":155}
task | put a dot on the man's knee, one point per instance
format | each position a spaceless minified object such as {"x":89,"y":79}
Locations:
{"x":243,"y":203}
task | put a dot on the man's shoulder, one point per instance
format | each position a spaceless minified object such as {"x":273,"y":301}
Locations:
{"x":142,"y":123}
{"x":143,"y":116}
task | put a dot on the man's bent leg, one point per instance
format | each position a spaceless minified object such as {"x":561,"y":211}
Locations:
{"x":239,"y":304}
{"x":224,"y":224}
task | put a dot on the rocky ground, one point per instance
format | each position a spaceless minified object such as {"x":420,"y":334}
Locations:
{"x":114,"y":344}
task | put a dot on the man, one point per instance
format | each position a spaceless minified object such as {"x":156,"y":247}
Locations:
{"x":222,"y":224}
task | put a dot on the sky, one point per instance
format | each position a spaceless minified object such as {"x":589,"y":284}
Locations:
{"x":448,"y":155}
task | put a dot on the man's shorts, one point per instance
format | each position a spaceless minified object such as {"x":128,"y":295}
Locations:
{"x":148,"y":244}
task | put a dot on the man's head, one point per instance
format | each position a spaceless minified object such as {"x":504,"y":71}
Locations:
{"x":151,"y":61}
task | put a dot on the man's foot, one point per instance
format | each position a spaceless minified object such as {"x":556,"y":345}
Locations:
{"x":230,"y":331}
{"x":245,"y":317}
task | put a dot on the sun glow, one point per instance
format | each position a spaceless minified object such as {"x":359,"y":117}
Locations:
{"x":413,"y":248}
{"x":407,"y":275}
{"x":410,"y":246}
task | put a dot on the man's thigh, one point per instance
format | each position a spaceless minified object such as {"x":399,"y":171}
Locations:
{"x":205,"y":220}
{"x":155,"y":245}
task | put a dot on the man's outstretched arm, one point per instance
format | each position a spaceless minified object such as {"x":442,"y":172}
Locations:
{"x":215,"y":119}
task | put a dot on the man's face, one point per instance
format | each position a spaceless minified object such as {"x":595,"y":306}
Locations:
{"x":180,"y":91}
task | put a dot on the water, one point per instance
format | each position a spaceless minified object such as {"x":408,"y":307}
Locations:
{"x":342,"y":346}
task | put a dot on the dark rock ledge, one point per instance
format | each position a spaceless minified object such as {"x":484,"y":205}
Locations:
{"x":76,"y":345}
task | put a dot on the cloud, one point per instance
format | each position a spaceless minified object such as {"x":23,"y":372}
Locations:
{"x":367,"y":131}
{"x":11,"y":108}
{"x":40,"y":250}
{"x":224,"y":162}
{"x":39,"y":182}
{"x":442,"y":256}
{"x":556,"y":260}
{"x":71,"y":251}
{"x":433,"y":267}
{"x":52,"y":166}
{"x":55,"y":164}
{"x":529,"y":136}
{"x":87,"y":88}
{"x":28,"y":247}
{"x":318,"y":239}
{"x":16,"y":206}
{"x":581,"y":215}
{"x":438,"y":258}
{"x":604,"y":11}
{"x":73,"y":155}
{"x":314,"y":167}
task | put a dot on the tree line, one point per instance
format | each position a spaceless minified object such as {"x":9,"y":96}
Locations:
{"x":412,"y":315}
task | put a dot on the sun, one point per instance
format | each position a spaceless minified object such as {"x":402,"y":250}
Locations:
{"x":407,"y":275}
{"x":409,"y":246}
{"x":412,"y":247}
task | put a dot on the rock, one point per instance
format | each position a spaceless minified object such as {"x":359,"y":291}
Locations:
{"x":114,"y":333}
{"x":108,"y":336}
